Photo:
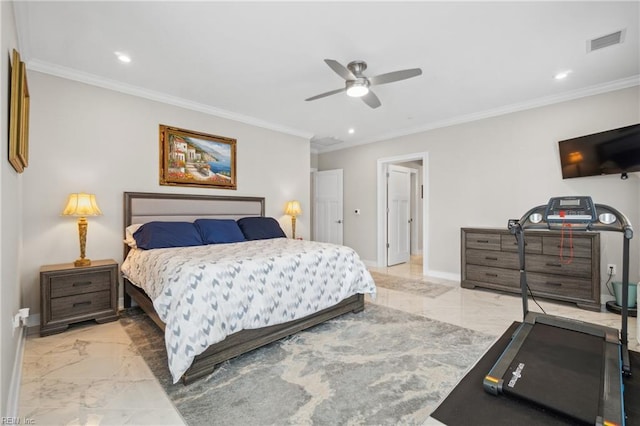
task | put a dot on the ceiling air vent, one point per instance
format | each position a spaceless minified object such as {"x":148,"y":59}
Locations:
{"x":325,"y":141}
{"x":605,"y":41}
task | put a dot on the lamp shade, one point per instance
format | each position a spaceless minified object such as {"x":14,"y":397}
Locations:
{"x":81,"y":204}
{"x":293,"y":208}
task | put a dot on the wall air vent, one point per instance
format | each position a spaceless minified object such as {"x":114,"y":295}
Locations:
{"x":605,"y":41}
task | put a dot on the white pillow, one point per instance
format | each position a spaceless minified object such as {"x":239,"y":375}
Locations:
{"x":128,"y":232}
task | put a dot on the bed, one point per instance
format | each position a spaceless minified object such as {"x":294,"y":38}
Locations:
{"x":258,"y":320}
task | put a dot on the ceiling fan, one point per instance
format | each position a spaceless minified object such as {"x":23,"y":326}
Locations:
{"x":357,"y":85}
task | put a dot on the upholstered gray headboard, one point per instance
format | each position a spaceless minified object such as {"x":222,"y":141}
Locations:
{"x":143,"y":207}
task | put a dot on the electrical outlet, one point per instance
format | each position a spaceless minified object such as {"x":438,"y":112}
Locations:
{"x":611,"y":269}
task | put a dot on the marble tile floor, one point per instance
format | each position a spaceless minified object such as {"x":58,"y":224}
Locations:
{"x":91,"y":375}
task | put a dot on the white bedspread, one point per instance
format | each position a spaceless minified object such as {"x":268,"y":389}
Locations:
{"x":205,"y":293}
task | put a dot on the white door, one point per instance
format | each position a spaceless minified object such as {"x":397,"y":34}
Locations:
{"x":398,"y":214}
{"x":328,"y":213}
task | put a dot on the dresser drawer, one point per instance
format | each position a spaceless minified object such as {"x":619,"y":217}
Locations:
{"x":579,"y":266}
{"x":552,"y":245}
{"x":69,"y":306}
{"x":482,"y":241}
{"x":560,"y":285}
{"x":485,"y":274}
{"x":497,"y":259}
{"x":67,"y":285}
{"x":532,"y":244}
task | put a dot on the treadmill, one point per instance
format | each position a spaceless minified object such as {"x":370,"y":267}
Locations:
{"x":570,"y":367}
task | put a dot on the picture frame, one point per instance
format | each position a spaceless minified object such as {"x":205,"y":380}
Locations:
{"x":15,"y":112}
{"x":23,"y":133}
{"x":189,"y":158}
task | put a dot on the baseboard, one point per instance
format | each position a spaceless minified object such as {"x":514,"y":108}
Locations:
{"x":370,"y":263}
{"x":16,"y":376}
{"x":444,"y":275}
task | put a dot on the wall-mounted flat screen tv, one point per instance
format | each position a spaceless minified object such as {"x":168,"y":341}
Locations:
{"x":615,"y":151}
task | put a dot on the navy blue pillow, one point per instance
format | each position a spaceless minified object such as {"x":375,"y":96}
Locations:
{"x":217,"y":231}
{"x":260,"y":228}
{"x":153,"y":235}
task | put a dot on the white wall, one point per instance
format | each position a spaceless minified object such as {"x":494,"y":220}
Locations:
{"x":89,"y":139}
{"x":484,"y":172}
{"x":10,"y":217}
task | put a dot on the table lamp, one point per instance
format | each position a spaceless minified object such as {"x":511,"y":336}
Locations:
{"x":82,"y":205}
{"x":293,"y":209}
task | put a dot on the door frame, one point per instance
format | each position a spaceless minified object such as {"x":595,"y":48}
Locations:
{"x":381,"y":167}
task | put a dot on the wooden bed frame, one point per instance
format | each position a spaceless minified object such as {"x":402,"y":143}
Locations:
{"x":141,"y":207}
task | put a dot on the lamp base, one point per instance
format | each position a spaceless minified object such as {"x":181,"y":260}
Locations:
{"x":82,"y":262}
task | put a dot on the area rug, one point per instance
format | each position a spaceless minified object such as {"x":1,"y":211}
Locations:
{"x":412,"y":286}
{"x":378,"y":367}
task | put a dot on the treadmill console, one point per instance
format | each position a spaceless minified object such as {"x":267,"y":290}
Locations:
{"x":578,"y":212}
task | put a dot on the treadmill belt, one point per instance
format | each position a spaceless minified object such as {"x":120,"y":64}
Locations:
{"x":560,"y":369}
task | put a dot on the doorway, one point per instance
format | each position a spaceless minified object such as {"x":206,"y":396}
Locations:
{"x":419,"y":207}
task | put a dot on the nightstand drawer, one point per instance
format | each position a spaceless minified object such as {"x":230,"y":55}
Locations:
{"x":67,"y":285}
{"x":70,"y":306}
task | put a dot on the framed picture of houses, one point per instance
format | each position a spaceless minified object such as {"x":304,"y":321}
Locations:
{"x":189,"y":158}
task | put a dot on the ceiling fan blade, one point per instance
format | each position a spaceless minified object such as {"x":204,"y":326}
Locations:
{"x":322,"y":95}
{"x":371,"y":99}
{"x":340,"y":69}
{"x":394,"y":76}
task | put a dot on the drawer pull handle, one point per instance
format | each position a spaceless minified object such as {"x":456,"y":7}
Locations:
{"x":490,"y":275}
{"x":81,"y":283}
{"x":559,"y":265}
{"x":555,"y":284}
{"x":490,"y":258}
{"x":78,"y":304}
{"x":482,"y":241}
{"x":567,"y":247}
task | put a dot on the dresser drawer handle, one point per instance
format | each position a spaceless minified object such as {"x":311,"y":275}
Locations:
{"x":78,"y":304}
{"x":567,"y":247}
{"x":554,"y":284}
{"x":558,"y":265}
{"x":81,"y":283}
{"x":490,"y":275}
{"x":482,"y":241}
{"x":490,"y":258}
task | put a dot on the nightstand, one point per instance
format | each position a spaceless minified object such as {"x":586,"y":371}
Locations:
{"x":70,"y":294}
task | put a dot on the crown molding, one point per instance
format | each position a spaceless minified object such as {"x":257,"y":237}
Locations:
{"x":508,"y":109}
{"x":94,"y":80}
{"x":91,"y":79}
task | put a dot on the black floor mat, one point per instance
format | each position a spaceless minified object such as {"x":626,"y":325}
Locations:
{"x":469,"y":404}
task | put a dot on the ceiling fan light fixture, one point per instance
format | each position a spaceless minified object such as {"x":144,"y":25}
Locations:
{"x":357,"y":91}
{"x":357,"y":88}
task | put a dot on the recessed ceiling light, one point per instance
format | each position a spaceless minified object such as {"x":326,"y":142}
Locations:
{"x":351,"y":131}
{"x":562,"y":75}
{"x":123,"y":57}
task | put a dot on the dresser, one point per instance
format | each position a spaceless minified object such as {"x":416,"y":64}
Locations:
{"x":559,"y":267}
{"x":70,"y":294}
